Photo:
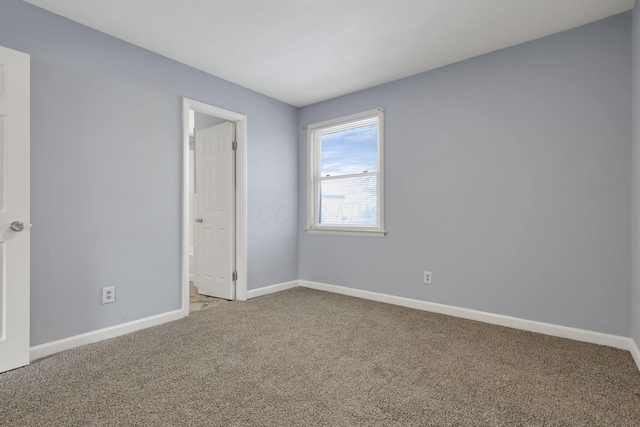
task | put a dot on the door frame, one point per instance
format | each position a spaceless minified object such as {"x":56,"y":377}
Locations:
{"x":240,"y":199}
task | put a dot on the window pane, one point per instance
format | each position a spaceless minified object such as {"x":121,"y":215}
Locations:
{"x":349,"y":201}
{"x":350,"y":151}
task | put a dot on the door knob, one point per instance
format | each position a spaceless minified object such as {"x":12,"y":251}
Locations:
{"x":199,"y":220}
{"x":17,"y":226}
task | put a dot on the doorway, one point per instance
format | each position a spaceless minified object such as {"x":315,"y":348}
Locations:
{"x":214,"y":203}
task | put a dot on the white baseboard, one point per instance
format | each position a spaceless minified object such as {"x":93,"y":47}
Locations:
{"x":49,"y":348}
{"x":635,"y":352}
{"x":254,"y":293}
{"x":495,"y":319}
{"x":623,"y":343}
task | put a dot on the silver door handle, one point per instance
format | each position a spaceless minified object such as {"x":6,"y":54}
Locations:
{"x":17,"y":226}
{"x":199,"y":220}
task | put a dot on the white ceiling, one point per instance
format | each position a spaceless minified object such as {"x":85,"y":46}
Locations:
{"x":305,"y":51}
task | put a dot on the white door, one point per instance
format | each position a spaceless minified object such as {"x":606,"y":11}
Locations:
{"x":14,"y":208}
{"x":214,"y":243}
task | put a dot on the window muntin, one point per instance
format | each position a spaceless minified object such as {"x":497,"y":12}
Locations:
{"x":345,"y":174}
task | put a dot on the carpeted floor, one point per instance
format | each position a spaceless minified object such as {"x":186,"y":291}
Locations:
{"x":307,"y":358}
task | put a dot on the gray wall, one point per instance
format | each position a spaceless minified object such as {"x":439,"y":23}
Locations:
{"x":105,"y":168}
{"x":507,"y":176}
{"x":635,"y":301}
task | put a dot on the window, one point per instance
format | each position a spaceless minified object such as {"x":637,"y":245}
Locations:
{"x":345,"y":193}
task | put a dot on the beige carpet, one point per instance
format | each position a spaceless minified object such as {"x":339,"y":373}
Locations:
{"x":307,"y":358}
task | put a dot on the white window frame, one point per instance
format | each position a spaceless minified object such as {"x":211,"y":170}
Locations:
{"x":314,"y":178}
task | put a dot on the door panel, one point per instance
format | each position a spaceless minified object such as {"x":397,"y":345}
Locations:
{"x":215,"y":235}
{"x":14,"y":208}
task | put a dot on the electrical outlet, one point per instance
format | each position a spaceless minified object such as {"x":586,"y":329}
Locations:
{"x":109,"y":295}
{"x":427,"y":278}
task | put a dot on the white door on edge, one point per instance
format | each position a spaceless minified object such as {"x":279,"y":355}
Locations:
{"x":214,"y":249}
{"x":14,"y":208}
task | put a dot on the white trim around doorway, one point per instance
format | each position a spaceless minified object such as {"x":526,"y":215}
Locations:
{"x":241,"y":195}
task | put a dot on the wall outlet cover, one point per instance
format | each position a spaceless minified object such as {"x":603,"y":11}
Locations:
{"x":109,"y":295}
{"x":427,"y":278}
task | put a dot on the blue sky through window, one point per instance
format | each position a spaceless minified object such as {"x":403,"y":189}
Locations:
{"x":350,"y":151}
{"x":351,"y":200}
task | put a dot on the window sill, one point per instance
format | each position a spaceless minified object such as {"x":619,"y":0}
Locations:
{"x":347,"y":232}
